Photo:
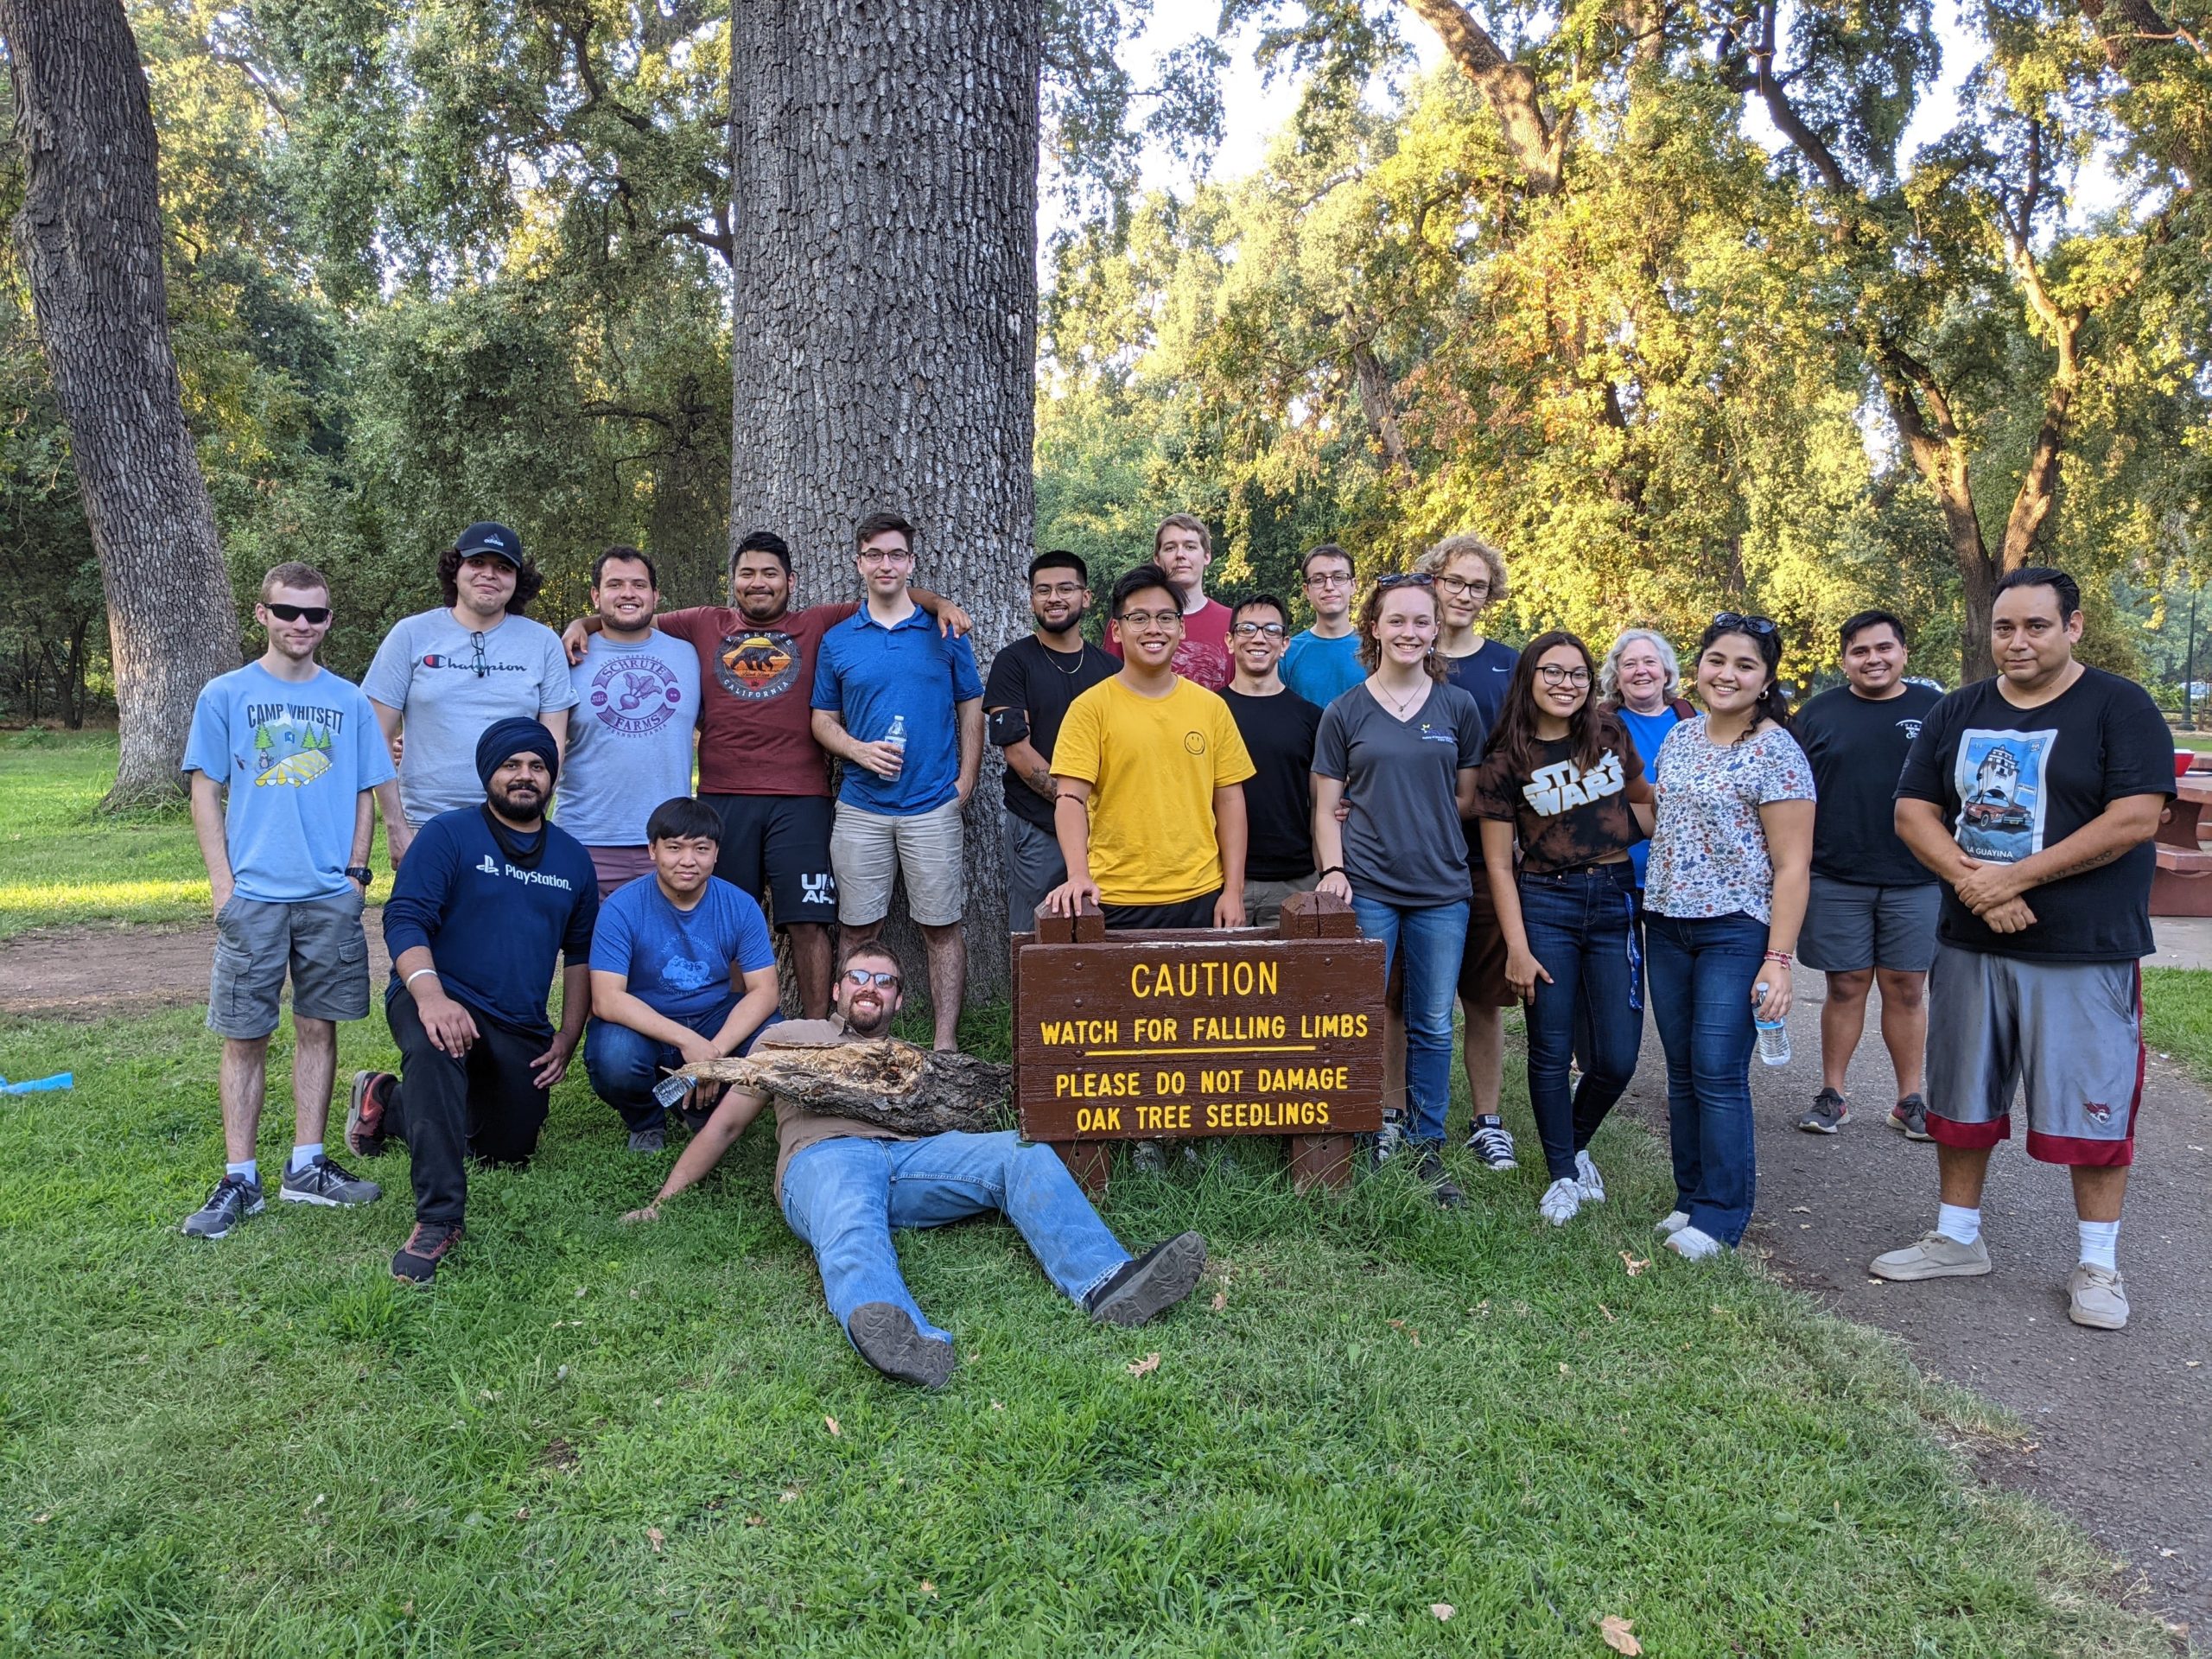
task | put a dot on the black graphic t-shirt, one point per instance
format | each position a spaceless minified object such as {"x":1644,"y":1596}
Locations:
{"x":1565,"y":815}
{"x":1029,"y":676}
{"x":1279,"y":732}
{"x":2011,"y":782}
{"x":1856,"y":746}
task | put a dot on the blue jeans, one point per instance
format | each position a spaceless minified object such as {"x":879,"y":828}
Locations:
{"x":1580,"y":925}
{"x":844,"y":1196}
{"x":1434,"y":938}
{"x":1702,"y":971}
{"x":624,"y":1065}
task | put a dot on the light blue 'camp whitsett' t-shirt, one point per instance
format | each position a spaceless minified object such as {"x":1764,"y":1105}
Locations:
{"x":295,"y":759}
{"x":629,"y":738}
{"x":450,"y":683}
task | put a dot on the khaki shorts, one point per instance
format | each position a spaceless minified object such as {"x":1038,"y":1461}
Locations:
{"x":318,"y":941}
{"x":1263,"y":899}
{"x":869,"y":849}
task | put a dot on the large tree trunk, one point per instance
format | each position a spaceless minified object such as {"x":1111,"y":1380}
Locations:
{"x":90,"y":235}
{"x":883,"y":176}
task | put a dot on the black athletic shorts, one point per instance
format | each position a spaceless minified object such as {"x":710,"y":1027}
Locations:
{"x":777,"y":848}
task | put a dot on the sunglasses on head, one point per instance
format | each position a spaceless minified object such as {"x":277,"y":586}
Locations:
{"x":864,"y":977}
{"x":316,"y":613}
{"x":1407,"y":579}
{"x":1761,"y":627}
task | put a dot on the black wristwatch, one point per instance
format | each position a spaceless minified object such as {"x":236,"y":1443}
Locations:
{"x":362,"y":874}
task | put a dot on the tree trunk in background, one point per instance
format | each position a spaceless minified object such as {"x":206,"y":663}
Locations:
{"x":884,"y":186}
{"x":89,"y":236}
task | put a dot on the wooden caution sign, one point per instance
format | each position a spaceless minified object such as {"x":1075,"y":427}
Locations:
{"x":1184,"y":1034}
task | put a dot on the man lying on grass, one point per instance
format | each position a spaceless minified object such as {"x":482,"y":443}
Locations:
{"x":844,"y":1185}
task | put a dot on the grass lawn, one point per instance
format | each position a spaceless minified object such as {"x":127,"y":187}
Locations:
{"x":60,"y":861}
{"x":1376,"y":1430}
{"x":2177,"y":1016}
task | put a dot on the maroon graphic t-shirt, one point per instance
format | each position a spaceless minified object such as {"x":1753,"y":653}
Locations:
{"x":1203,"y":657}
{"x":756,"y":730}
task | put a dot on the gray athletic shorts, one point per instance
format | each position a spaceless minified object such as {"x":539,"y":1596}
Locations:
{"x":869,"y":849}
{"x":2068,"y":1034}
{"x":1033,"y":868}
{"x":1851,"y":927}
{"x":318,"y":941}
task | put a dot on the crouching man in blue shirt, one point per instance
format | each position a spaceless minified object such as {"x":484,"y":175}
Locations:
{"x":668,"y":959}
{"x":485,"y":900}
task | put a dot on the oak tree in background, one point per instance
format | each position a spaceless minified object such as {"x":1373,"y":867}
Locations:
{"x":89,"y":233}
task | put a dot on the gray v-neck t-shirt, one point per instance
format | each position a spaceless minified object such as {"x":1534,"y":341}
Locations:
{"x":1403,"y":843}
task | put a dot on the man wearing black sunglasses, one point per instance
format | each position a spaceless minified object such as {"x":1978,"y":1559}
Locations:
{"x":282,"y":759}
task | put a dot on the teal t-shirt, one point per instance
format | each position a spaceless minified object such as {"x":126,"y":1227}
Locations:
{"x":295,"y":759}
{"x":1321,"y":671}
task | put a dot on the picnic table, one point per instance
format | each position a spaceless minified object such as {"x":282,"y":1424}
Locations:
{"x":2183,"y":883}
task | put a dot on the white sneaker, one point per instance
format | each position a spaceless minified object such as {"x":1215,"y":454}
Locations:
{"x":1592,"y":1183}
{"x":1672,"y":1222}
{"x":1560,"y":1201}
{"x":1692,"y":1245}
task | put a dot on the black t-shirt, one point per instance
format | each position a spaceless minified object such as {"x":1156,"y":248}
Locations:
{"x":1485,"y":675}
{"x":1857,"y":746}
{"x":1029,"y":676}
{"x":1279,"y":796}
{"x":2011,"y":782}
{"x":1565,"y":816}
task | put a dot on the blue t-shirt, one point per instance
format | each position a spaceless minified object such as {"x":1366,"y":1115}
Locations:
{"x":296,"y":758}
{"x":629,"y":738}
{"x":1648,"y":732}
{"x":1321,"y":671}
{"x":676,"y":962}
{"x":493,"y":927}
{"x":869,"y":674}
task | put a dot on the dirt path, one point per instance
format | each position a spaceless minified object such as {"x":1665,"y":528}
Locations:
{"x":2121,"y":1422}
{"x":89,"y":973}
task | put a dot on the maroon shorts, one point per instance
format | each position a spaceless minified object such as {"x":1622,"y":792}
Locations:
{"x":1482,"y":967}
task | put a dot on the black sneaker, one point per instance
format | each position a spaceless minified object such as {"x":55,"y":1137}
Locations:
{"x":1830,"y":1113}
{"x":325,"y":1183}
{"x":1148,"y":1157}
{"x":1911,"y":1115}
{"x":885,"y":1336}
{"x":1492,"y":1143}
{"x":1153,"y":1282}
{"x":1392,"y":1137}
{"x":233,"y":1199}
{"x":1429,"y":1168}
{"x":428,"y":1245}
{"x":365,"y":1113}
{"x":649,"y":1139}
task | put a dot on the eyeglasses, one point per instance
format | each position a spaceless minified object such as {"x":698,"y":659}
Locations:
{"x":1759,"y":627}
{"x":1058,"y":590}
{"x":1329,"y":579}
{"x":1142,"y":619}
{"x":1462,"y":585}
{"x":481,"y":667}
{"x":1257,"y":630}
{"x":317,"y":614}
{"x":864,"y":978}
{"x":888,"y":555}
{"x":1552,"y":674}
{"x":1406,"y":579}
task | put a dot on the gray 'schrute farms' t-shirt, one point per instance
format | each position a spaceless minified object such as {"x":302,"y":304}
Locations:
{"x":450,"y":682}
{"x":1403,"y":843}
{"x":629,"y":738}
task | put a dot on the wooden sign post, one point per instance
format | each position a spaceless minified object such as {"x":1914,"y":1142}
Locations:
{"x":1182,"y":1032}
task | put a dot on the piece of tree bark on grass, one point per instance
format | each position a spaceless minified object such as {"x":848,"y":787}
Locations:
{"x":90,"y":237}
{"x":883,"y":1081}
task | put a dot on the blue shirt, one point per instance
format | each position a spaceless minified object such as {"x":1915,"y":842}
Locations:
{"x":1321,"y":671}
{"x":1647,"y":732}
{"x":493,"y":927}
{"x":869,"y":674}
{"x":295,"y":757}
{"x":676,"y":962}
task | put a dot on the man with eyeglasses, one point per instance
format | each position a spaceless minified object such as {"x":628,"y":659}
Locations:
{"x":1182,"y":548}
{"x":1323,"y":663}
{"x":844,"y":1185}
{"x":1032,"y":683}
{"x":1278,"y":727}
{"x":282,"y":759}
{"x":901,"y":705}
{"x":441,"y":676}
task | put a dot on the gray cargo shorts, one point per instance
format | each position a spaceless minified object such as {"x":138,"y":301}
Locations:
{"x":318,"y":941}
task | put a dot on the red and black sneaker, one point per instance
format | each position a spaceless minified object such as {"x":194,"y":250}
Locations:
{"x":428,"y":1245}
{"x":364,"y":1114}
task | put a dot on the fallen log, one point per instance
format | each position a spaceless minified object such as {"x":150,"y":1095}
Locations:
{"x":881,"y":1081}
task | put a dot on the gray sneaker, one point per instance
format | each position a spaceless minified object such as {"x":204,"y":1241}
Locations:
{"x":1148,"y":1157}
{"x":2096,"y":1297}
{"x":649,"y":1139}
{"x":1829,"y":1113}
{"x":1910,"y":1117}
{"x":233,"y":1199}
{"x":325,"y":1183}
{"x":1936,"y":1257}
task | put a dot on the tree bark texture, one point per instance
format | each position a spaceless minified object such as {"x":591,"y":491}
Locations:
{"x":884,"y":1082}
{"x":90,"y":237}
{"x":883,"y":175}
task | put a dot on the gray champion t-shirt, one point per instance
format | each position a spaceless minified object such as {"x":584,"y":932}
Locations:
{"x":1403,"y":843}
{"x":450,"y":682}
{"x":629,"y":738}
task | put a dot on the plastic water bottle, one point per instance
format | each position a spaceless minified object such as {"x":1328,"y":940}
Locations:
{"x":1773,"y":1035}
{"x":896,"y":737}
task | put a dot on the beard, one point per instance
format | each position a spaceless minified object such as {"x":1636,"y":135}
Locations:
{"x":873,"y":1023}
{"x":520,"y":801}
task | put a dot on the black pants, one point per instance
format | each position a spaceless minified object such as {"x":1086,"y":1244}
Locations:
{"x":449,"y":1110}
{"x":1189,"y":913}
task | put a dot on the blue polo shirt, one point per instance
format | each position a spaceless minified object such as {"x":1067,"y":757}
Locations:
{"x":870,"y":674}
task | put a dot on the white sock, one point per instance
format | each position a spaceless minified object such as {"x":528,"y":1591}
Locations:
{"x":2101,"y":1244}
{"x":1964,"y":1225}
{"x":305,"y":1154}
{"x":250,"y":1170}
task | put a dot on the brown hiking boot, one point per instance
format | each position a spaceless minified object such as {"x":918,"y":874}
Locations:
{"x":418,"y":1261}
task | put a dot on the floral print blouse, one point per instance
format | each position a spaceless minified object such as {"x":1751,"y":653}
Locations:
{"x":1709,"y":850}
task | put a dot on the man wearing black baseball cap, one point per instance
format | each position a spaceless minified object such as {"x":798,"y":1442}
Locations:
{"x":446,"y":675}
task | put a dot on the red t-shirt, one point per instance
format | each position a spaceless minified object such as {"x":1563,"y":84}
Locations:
{"x":756,"y":729}
{"x":1203,"y":657}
